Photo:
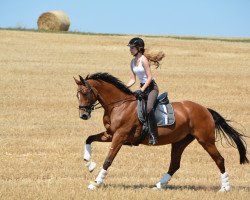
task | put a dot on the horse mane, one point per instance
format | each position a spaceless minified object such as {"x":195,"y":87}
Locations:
{"x":110,"y":79}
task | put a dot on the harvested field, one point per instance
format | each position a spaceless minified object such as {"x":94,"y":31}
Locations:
{"x":42,"y":137}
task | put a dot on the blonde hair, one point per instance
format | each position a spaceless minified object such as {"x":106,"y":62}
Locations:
{"x":154,"y":57}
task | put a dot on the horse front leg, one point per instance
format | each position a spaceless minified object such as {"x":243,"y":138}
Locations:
{"x":117,"y":142}
{"x":100,"y":137}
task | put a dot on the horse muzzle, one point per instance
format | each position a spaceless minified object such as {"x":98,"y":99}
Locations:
{"x":85,"y":112}
{"x":85,"y":116}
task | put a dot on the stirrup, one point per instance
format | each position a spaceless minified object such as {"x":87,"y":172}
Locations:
{"x":152,"y":140}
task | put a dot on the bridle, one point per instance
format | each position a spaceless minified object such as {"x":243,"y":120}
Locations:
{"x":88,"y":108}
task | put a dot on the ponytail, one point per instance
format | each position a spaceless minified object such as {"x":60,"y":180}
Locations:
{"x":153,"y":57}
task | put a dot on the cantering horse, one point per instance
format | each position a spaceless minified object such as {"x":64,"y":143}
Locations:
{"x":122,"y":126}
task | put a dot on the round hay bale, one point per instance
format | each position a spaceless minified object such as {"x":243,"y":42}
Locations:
{"x":53,"y":21}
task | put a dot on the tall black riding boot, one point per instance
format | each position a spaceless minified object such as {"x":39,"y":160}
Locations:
{"x":152,"y":128}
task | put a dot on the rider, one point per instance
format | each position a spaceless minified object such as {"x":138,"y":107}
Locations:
{"x":140,"y":66}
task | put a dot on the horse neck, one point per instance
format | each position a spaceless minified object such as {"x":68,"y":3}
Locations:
{"x":108,"y":94}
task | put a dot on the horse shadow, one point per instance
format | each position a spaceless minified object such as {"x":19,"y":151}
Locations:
{"x":174,"y":187}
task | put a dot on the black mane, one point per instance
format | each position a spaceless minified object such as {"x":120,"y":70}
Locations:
{"x":110,"y":79}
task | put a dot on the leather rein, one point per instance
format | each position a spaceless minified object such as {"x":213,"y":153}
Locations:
{"x":93,"y":106}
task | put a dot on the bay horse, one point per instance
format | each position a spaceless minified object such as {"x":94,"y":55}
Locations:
{"x":122,"y":126}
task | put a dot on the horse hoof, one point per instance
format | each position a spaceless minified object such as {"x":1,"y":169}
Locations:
{"x":91,"y":166}
{"x":160,"y":186}
{"x":94,"y":185}
{"x":91,"y":187}
{"x":224,"y":189}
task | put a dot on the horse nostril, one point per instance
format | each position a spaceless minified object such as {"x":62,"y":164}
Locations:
{"x":84,"y":116}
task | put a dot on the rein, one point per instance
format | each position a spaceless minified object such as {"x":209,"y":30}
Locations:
{"x":93,"y":107}
{"x":124,"y":100}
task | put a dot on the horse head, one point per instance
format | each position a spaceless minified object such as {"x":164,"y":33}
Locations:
{"x":86,"y":98}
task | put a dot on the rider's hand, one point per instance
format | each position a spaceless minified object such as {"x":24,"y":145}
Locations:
{"x":138,"y":93}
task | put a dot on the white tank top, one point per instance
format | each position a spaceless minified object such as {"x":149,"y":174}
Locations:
{"x":140,"y":71}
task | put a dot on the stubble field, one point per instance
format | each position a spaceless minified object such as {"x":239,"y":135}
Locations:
{"x":42,"y":137}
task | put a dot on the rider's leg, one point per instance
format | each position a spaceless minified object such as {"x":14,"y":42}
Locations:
{"x":152,"y":96}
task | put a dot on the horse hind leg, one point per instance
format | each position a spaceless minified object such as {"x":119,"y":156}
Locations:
{"x":208,"y":143}
{"x":176,"y":152}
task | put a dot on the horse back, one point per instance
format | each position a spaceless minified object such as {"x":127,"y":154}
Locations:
{"x":188,"y":117}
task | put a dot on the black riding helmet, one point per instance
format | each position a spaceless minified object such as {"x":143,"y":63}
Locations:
{"x":136,"y":42}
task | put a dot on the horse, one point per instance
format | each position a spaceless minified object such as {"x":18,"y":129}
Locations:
{"x":122,"y":126}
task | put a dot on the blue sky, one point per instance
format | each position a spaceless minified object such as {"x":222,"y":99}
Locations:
{"x":228,"y":18}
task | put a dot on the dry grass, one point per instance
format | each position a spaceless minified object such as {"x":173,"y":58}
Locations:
{"x":41,"y":136}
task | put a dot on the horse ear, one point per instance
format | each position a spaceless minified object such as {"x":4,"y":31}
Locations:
{"x":77,"y":82}
{"x":82,"y":80}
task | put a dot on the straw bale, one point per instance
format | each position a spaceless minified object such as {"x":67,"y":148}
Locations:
{"x":53,"y":21}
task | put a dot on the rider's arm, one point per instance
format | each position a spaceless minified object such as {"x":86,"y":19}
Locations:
{"x":132,"y":76}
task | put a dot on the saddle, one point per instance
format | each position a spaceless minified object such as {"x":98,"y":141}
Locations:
{"x":164,"y":114}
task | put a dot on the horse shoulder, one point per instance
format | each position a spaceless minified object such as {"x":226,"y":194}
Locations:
{"x":124,"y":116}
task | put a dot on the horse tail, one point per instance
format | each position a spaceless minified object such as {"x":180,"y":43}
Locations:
{"x":232,"y":136}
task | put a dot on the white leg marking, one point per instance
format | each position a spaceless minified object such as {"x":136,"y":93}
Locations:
{"x":87,"y":157}
{"x":99,"y":180}
{"x":87,"y":152}
{"x":225,"y":186}
{"x":163,"y":182}
{"x":90,"y":165}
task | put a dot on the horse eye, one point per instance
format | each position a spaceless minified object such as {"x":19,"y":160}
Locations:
{"x":84,"y":94}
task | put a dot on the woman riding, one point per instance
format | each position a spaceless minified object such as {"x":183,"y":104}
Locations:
{"x":140,"y":66}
